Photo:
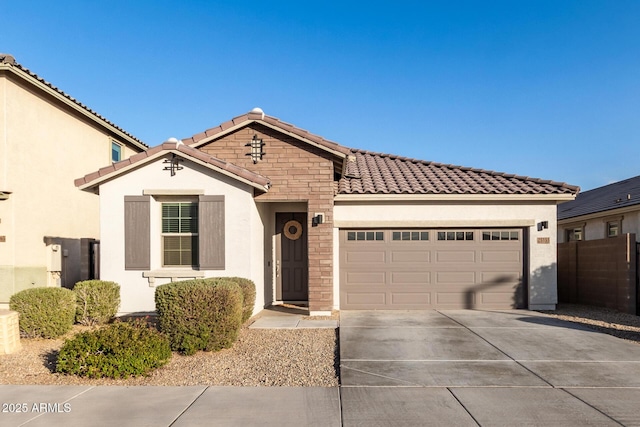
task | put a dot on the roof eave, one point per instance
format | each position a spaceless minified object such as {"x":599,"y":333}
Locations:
{"x":92,"y":185}
{"x":68,"y":102}
{"x":558,"y":198}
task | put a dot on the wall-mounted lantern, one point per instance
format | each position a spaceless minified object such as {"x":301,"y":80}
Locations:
{"x":256,"y":152}
{"x":543,"y":225}
{"x":317,"y":219}
{"x":174,"y":164}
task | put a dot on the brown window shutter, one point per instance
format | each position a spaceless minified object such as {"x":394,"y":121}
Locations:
{"x":211,"y":232}
{"x":137,"y":232}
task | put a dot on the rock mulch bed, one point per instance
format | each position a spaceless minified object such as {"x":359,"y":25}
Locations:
{"x":260,"y":357}
{"x":621,"y":325}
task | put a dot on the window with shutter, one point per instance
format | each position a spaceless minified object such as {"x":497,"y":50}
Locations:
{"x":179,"y":234}
{"x":137,"y":232}
{"x":211,"y":235}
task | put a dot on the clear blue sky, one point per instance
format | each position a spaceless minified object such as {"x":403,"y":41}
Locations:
{"x":547,"y":89}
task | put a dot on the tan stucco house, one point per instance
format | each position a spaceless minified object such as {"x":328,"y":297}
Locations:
{"x":314,"y":222}
{"x":47,"y":139}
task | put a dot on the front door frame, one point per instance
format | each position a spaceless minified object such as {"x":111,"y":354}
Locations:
{"x":291,"y":257}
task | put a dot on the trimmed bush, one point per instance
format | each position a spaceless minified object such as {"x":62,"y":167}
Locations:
{"x":44,"y":312}
{"x":204,"y":314}
{"x":248,"y":294}
{"x":97,"y":301}
{"x":119,"y":350}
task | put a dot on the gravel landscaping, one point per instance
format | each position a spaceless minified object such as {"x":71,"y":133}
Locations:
{"x":260,"y":357}
{"x":612,"y":322}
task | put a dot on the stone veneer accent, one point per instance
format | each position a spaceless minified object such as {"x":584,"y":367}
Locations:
{"x":298,"y":172}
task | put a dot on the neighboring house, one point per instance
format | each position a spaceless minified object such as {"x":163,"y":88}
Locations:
{"x":315,"y":222}
{"x":598,"y":236}
{"x":47,"y":139}
{"x":603,"y":212}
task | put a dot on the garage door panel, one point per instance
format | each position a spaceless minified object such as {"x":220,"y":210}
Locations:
{"x":365,"y":257}
{"x":367,"y":278}
{"x":501,"y":256}
{"x":498,"y":277}
{"x":454,"y":299}
{"x":456,"y":256}
{"x":367,"y":299}
{"x":443,"y":277}
{"x":410,"y":256}
{"x":416,"y":270}
{"x":410,"y":298}
{"x":410,"y":278}
{"x":497,"y":298}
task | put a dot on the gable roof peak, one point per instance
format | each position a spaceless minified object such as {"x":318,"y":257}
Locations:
{"x":257,"y":115}
{"x":258,"y":110}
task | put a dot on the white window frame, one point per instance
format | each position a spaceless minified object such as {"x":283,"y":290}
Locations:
{"x":192,"y":235}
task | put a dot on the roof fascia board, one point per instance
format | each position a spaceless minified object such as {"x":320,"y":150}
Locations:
{"x":43,"y":87}
{"x":271,"y":126}
{"x":452,"y":197}
{"x":435,"y":223}
{"x":96,"y":182}
{"x":601,"y":214}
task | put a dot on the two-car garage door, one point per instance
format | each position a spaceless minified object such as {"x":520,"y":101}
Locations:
{"x":431,"y":268}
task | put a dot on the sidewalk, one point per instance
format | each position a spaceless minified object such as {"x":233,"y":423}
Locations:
{"x":80,"y":406}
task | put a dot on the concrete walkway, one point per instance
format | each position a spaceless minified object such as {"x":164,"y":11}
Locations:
{"x":483,"y":368}
{"x":398,"y":368}
{"x":286,"y":318}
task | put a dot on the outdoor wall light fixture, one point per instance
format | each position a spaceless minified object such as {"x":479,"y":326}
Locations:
{"x":256,"y":149}
{"x":543,"y":225}
{"x":317,"y":220}
{"x":174,"y":164}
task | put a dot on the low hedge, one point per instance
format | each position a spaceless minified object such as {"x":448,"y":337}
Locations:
{"x":119,"y":350}
{"x":203,"y":314}
{"x":248,"y":294}
{"x":97,"y":301}
{"x":44,"y":312}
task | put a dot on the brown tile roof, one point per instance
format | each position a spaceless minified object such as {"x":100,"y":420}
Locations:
{"x":377,"y":173}
{"x":10,"y":60}
{"x":93,"y":179}
{"x":256,"y":115}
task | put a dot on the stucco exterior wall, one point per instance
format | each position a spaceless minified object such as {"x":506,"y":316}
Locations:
{"x":43,"y":148}
{"x":244,"y":245}
{"x":542,"y":261}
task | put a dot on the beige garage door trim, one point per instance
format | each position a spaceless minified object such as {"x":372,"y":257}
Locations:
{"x":432,"y":268}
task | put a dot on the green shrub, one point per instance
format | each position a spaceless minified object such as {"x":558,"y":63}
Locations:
{"x":97,"y":301}
{"x":119,"y":350}
{"x":248,"y":294}
{"x":44,"y":312}
{"x":203,"y":314}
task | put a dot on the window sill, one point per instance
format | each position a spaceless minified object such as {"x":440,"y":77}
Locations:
{"x":172,"y":274}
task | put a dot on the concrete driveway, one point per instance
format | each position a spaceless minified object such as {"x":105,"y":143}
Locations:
{"x":489,"y":368}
